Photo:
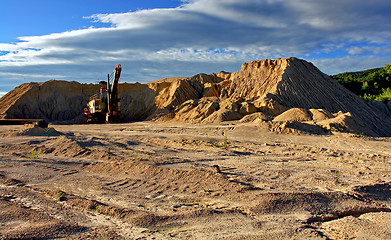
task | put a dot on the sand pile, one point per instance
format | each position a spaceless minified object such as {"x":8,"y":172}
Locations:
{"x":32,"y":130}
{"x":273,"y":91}
{"x":63,"y":101}
{"x":286,"y":90}
{"x":66,"y":146}
{"x":295,"y":83}
{"x":182,"y":90}
{"x":8,"y":100}
{"x":294,"y":114}
{"x":69,"y":146}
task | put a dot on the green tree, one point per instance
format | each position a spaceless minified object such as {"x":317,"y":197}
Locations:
{"x":369,"y":84}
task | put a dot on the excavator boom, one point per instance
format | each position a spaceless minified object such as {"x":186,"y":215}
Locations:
{"x":106,"y":107}
{"x":112,"y":94}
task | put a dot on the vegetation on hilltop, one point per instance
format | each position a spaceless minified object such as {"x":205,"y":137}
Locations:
{"x":372,"y":84}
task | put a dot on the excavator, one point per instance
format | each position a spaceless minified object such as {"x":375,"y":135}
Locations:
{"x":104,"y":107}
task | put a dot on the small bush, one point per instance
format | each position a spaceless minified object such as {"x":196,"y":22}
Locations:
{"x":61,"y":196}
{"x":34,"y":153}
{"x":384,"y":96}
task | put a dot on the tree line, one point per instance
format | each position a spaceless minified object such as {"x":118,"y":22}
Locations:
{"x":372,"y":84}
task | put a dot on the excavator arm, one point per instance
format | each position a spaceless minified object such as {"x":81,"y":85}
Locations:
{"x":106,"y":106}
{"x":112,"y":94}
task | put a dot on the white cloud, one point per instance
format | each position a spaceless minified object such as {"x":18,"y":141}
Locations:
{"x":208,"y":36}
{"x":350,"y":63}
{"x":20,"y":75}
{"x":2,"y":94}
{"x":8,"y":47}
{"x":379,"y":50}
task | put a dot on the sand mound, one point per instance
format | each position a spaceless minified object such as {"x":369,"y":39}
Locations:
{"x":300,"y":120}
{"x":31,"y":130}
{"x":313,"y":202}
{"x":295,"y":83}
{"x":258,"y":116}
{"x":346,"y":123}
{"x":268,"y":86}
{"x":294,"y":114}
{"x":269,"y":106}
{"x":382,"y":107}
{"x":12,"y":97}
{"x":64,"y":145}
{"x":222,"y":115}
{"x":182,"y":90}
{"x":247,"y":108}
{"x":320,"y":114}
{"x":297,"y":128}
{"x":197,"y":110}
{"x":65,"y":101}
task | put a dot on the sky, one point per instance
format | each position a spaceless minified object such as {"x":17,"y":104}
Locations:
{"x":83,"y":40}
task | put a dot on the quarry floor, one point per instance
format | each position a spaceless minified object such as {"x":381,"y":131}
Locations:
{"x":173,"y":180}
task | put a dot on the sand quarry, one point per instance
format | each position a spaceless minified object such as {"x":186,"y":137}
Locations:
{"x":275,"y":151}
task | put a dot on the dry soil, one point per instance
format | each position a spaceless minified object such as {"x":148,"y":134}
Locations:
{"x":174,"y":180}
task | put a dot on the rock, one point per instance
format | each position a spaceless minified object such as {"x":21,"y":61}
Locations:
{"x":214,"y":89}
{"x":227,"y":75}
{"x":187,"y":106}
{"x":294,"y":114}
{"x":216,"y":168}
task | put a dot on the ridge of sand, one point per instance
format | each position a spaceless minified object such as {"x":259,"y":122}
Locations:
{"x":267,"y":86}
{"x":9,"y":99}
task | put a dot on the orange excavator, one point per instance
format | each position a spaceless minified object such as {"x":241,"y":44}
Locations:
{"x":104,"y":107}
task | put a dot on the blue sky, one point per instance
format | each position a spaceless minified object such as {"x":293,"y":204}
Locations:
{"x":152,"y":39}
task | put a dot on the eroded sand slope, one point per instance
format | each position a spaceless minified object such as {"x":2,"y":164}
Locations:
{"x":261,"y":91}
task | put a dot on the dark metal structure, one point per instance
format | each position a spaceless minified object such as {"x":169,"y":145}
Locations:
{"x":105,"y":107}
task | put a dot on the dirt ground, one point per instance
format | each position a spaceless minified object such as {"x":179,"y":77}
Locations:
{"x":172,"y":180}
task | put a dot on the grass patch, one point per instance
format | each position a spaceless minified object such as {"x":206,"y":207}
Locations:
{"x":336,"y":176}
{"x":34,"y":154}
{"x":61,"y":196}
{"x":213,"y":143}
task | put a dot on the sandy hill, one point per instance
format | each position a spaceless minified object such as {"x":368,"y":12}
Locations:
{"x":10,"y":98}
{"x":65,"y":101}
{"x":295,"y":83}
{"x":288,"y":95}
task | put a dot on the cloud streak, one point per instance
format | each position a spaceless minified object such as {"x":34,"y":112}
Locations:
{"x":208,"y":36}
